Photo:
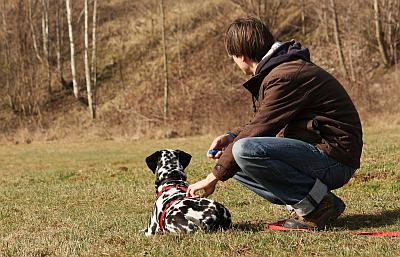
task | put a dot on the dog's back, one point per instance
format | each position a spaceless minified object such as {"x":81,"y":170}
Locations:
{"x":191,"y":214}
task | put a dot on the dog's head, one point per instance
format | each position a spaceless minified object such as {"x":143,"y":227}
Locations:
{"x":168,"y":165}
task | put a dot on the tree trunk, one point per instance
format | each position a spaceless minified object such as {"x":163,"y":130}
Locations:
{"x":325,"y":20}
{"x":87,"y":68}
{"x":338,"y":40}
{"x":166,"y":86}
{"x":71,"y":42}
{"x":7,"y":57}
{"x":45,"y":31}
{"x":379,"y":35}
{"x":59,"y":35}
{"x":46,"y":41}
{"x":179,"y":40}
{"x":303,"y":24}
{"x":352,"y":73}
{"x":33,"y":33}
{"x":94,"y":62}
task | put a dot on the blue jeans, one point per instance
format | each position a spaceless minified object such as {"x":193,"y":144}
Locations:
{"x":288,"y":171}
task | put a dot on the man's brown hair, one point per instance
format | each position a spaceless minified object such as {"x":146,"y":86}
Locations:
{"x":249,"y":37}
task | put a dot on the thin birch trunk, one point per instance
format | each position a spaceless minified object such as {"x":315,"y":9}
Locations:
{"x":33,"y":33}
{"x":325,"y":18}
{"x":352,"y":73}
{"x":338,"y":40}
{"x":46,"y":41}
{"x":303,"y":24}
{"x":87,"y":68}
{"x":390,"y":29}
{"x":379,"y":35}
{"x":71,"y":42}
{"x":7,"y":56}
{"x":45,"y":28}
{"x":166,"y":86}
{"x":59,"y":29}
{"x":179,"y":32}
{"x":94,"y":62}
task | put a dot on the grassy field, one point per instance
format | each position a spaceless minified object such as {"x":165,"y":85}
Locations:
{"x":92,"y":198}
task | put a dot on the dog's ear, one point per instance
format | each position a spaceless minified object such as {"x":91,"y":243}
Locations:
{"x":184,"y":158}
{"x":152,"y":161}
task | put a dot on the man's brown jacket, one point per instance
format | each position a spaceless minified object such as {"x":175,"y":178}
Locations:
{"x":299,"y":100}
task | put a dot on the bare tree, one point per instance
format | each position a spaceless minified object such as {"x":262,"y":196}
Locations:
{"x":303,"y":23}
{"x":266,"y":10}
{"x":338,"y":39}
{"x":166,"y":86}
{"x":32,"y":29}
{"x":86,"y":60}
{"x":379,"y":35}
{"x":393,"y":31}
{"x":45,"y":25}
{"x":72,"y":46}
{"x":352,"y":73}
{"x":46,"y":41}
{"x":94,"y":62}
{"x":322,"y":21}
{"x":59,"y":41}
{"x":179,"y":33}
{"x":325,"y":19}
{"x":7,"y":56}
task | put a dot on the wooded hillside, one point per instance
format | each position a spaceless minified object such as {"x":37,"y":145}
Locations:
{"x":158,"y":68}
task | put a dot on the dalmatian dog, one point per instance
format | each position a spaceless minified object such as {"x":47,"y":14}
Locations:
{"x":173,"y":211}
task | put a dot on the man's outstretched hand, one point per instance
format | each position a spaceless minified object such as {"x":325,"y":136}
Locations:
{"x":208,"y":185}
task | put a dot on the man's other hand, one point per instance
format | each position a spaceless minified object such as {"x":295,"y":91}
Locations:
{"x":208,"y":185}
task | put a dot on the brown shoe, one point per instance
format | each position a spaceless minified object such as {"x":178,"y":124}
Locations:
{"x":328,"y":210}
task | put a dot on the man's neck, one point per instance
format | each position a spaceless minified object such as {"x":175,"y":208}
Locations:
{"x":253,"y":67}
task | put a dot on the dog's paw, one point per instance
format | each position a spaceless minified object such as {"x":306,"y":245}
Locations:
{"x":145,"y":232}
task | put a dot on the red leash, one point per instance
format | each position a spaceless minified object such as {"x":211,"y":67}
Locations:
{"x":164,"y":211}
{"x":279,"y":226}
{"x":377,"y":233}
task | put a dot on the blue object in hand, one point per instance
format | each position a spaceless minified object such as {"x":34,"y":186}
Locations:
{"x":214,"y":151}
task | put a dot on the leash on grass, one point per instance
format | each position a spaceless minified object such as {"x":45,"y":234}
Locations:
{"x":279,"y":226}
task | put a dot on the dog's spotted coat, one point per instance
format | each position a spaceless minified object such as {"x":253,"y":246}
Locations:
{"x":185,"y":214}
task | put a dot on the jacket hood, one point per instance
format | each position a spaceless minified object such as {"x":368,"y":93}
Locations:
{"x":286,"y":52}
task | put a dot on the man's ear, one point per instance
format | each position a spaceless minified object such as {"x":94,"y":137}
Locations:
{"x":184,"y":158}
{"x":152,"y":161}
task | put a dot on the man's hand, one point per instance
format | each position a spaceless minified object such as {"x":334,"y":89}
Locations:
{"x":208,"y":184}
{"x":219,"y":142}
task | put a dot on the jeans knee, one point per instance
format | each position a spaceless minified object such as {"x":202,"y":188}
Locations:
{"x":240,"y":148}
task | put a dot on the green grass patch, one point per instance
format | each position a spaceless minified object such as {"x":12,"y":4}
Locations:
{"x":93,"y":198}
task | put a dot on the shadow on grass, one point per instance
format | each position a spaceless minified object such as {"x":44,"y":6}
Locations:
{"x":358,"y":221}
{"x":254,"y":226}
{"x":350,"y":222}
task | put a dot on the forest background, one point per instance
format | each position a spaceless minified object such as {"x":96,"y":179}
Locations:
{"x":158,"y":68}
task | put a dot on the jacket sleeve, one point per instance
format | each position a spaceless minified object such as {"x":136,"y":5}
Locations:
{"x":282,"y":100}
